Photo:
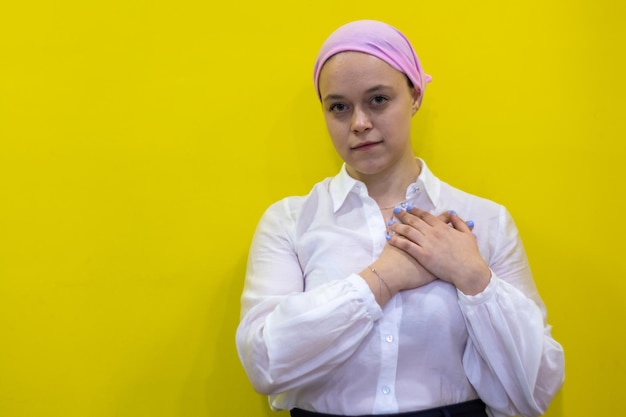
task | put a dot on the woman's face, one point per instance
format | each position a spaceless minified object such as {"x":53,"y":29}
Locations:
{"x":368,"y":106}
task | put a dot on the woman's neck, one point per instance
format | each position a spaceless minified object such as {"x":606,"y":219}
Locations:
{"x":389,"y":188}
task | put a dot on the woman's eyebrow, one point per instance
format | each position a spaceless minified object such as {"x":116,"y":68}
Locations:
{"x":370,"y":90}
{"x":377,"y":88}
{"x":332,"y":97}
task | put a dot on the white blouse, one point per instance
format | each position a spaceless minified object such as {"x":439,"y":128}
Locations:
{"x":312,"y":335}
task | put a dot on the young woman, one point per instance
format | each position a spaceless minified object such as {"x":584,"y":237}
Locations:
{"x":386,"y":291}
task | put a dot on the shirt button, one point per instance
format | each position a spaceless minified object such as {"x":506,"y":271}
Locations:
{"x":389,"y":338}
{"x":386,"y":390}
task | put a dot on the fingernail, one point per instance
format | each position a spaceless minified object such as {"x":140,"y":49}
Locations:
{"x":452,"y":212}
{"x":470,"y":223}
{"x":397,"y":210}
{"x":387,"y":237}
{"x":409,"y":207}
{"x":390,"y":222}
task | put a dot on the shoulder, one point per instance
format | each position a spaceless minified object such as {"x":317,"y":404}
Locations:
{"x":452,"y":197}
{"x":448,"y":197}
{"x":282,"y":222}
{"x":292,"y":207}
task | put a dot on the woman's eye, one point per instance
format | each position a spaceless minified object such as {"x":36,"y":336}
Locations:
{"x":379,"y":100}
{"x":338,"y":107}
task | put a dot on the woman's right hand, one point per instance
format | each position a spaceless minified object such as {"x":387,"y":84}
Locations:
{"x":398,"y":270}
{"x":405,"y":272}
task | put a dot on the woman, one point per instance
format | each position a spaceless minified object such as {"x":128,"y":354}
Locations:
{"x":372,"y":295}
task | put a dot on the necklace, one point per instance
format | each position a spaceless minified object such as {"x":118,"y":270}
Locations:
{"x":402,"y":204}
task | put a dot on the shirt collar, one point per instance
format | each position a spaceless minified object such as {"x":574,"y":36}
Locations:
{"x":343,"y":184}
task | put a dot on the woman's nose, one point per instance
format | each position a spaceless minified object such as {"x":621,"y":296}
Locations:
{"x":360,"y":120}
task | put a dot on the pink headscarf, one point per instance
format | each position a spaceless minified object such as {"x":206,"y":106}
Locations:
{"x":378,"y":39}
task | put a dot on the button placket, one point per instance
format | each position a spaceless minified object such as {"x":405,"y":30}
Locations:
{"x":386,"y":400}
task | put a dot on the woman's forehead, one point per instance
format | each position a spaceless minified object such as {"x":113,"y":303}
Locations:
{"x":354,"y":71}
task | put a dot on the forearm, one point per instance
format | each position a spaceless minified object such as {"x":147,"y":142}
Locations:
{"x":513,"y":362}
{"x":290,"y":341}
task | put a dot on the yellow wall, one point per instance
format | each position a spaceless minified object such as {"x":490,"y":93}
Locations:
{"x":140,"y":141}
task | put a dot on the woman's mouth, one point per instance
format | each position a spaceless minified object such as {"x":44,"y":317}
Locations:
{"x":365,"y":146}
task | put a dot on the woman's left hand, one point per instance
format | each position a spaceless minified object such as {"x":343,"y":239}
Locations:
{"x":444,"y":245}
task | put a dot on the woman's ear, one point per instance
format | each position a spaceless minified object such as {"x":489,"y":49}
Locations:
{"x":415,"y":105}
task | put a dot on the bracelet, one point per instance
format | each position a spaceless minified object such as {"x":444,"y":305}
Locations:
{"x":381,"y":282}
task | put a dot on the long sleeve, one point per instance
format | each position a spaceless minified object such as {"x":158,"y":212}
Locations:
{"x":312,"y":336}
{"x":289,"y":337}
{"x":511,"y":358}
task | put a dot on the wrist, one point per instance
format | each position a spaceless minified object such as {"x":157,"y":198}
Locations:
{"x":475,"y":282}
{"x":389,"y":276}
{"x":379,"y":284}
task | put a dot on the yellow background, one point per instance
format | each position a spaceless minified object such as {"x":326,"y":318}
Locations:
{"x":140,"y":141}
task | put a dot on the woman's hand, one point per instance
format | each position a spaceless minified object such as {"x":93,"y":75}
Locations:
{"x":444,"y":245}
{"x":398,"y":271}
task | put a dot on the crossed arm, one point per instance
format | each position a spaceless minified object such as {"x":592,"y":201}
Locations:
{"x":425,"y":247}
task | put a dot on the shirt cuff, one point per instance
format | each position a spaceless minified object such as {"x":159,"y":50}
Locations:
{"x":365,"y":293}
{"x":483,"y":296}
